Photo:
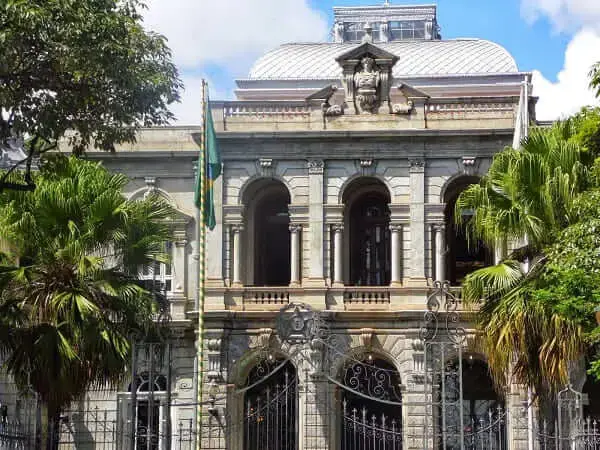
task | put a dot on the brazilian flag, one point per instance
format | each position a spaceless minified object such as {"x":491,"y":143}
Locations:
{"x":211,"y":158}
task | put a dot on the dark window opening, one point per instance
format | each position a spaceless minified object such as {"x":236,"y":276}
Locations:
{"x":272,"y":240}
{"x":370,"y":241}
{"x":464,"y":254}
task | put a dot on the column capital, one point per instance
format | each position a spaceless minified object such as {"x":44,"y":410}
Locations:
{"x":337,"y":227}
{"x":417,"y":165}
{"x":295,"y":227}
{"x":237,"y":227}
{"x":438,"y":227}
{"x":396,"y":227}
{"x":315,"y":166}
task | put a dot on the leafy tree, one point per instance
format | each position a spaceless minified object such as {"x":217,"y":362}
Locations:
{"x":84,"y":69}
{"x":528,"y":197}
{"x":71,"y":254}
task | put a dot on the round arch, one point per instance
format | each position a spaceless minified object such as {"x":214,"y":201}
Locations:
{"x":143,"y":192}
{"x":463,"y":255}
{"x":253,"y":185}
{"x":267,"y":243}
{"x":366,"y":232}
{"x":350,"y":186}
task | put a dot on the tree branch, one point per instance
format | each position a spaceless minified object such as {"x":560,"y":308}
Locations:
{"x":30,"y":185}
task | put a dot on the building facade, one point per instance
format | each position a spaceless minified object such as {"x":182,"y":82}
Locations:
{"x":324,"y":326}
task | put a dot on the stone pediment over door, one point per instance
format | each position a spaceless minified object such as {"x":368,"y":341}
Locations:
{"x":367,"y":78}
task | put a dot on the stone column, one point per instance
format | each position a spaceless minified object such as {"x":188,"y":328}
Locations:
{"x":237,"y":253}
{"x":295,"y":253}
{"x":338,"y":268}
{"x":316,"y":234}
{"x":417,"y":219}
{"x":440,"y":252}
{"x":396,"y":250}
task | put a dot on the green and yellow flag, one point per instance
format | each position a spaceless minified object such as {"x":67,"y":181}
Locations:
{"x":210,"y":157}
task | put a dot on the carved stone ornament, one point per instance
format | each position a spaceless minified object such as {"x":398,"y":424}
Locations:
{"x":263,"y":340}
{"x":265,"y":166}
{"x":403,"y":108}
{"x":297,"y":323}
{"x":315,"y":166}
{"x":366,"y":337}
{"x":214,"y":358}
{"x":150,"y":186}
{"x":469,"y":165}
{"x":367,"y":77}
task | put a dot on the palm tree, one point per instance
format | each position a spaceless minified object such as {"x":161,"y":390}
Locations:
{"x":526,"y":199}
{"x":71,"y":254}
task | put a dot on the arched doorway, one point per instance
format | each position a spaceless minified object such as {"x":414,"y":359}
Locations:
{"x":472,"y":413}
{"x":371,"y":404}
{"x":464,"y":255}
{"x":268,"y":204}
{"x":150,"y":411}
{"x":270,"y":406}
{"x":368,"y":219}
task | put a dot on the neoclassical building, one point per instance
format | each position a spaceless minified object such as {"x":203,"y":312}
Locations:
{"x":324,"y":324}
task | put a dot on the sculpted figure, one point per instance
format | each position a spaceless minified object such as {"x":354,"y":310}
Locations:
{"x":366,"y":82}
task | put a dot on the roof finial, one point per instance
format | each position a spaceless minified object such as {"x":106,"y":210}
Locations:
{"x":386,"y":3}
{"x":368,"y":37}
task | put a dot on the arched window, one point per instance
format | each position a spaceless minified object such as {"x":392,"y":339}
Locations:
{"x":368,"y":219}
{"x":371,"y":408}
{"x":482,"y":418}
{"x":463,"y":255}
{"x":269,"y":219}
{"x":270,"y":406}
{"x":150,"y":410}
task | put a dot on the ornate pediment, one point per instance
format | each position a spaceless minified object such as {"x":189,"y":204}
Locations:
{"x":367,"y":78}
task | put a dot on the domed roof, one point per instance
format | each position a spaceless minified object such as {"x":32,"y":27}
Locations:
{"x":417,"y":58}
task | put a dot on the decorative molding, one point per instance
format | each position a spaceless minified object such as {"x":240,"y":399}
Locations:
{"x":316,"y":166}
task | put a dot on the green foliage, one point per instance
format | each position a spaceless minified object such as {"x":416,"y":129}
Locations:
{"x":82,"y":65}
{"x":534,"y":323}
{"x":71,"y":251}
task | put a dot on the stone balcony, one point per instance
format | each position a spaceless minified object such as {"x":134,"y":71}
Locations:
{"x":334,"y":298}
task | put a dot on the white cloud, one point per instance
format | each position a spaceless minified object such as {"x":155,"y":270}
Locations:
{"x":188,"y":111}
{"x":565,"y":15}
{"x":231,"y":32}
{"x":571,"y":91}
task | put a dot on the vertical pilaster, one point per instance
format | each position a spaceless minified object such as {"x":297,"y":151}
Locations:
{"x":417,"y":219}
{"x":396,"y":253}
{"x":338,"y":267}
{"x":237,"y":253}
{"x":439,"y":231}
{"x":316,"y":220}
{"x":295,"y":254}
{"x":214,"y":239}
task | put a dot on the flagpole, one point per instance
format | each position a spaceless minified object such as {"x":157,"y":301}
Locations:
{"x":201,"y":268}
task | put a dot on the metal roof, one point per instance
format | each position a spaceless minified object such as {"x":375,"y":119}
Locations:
{"x":423,"y":57}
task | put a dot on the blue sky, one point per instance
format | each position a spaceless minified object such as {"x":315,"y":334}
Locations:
{"x":557,"y":40}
